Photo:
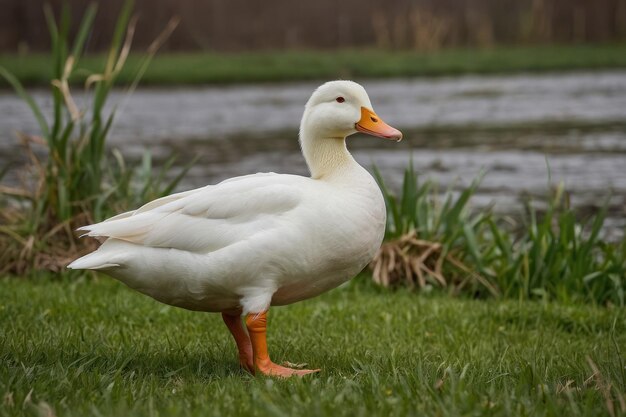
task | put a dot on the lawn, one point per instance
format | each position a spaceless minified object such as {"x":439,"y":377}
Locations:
{"x":278,"y":66}
{"x":94,"y":347}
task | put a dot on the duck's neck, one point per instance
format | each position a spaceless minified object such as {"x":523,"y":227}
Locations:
{"x":327,"y":158}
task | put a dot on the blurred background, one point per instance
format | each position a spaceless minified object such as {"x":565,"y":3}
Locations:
{"x":220,"y":25}
{"x":533,"y":92}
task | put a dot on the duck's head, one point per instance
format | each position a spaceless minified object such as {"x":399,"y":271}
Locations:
{"x":341,"y":108}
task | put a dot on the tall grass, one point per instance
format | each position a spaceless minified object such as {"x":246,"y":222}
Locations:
{"x":550,"y":254}
{"x":432,"y":242}
{"x":78,"y":181}
{"x":559,"y":256}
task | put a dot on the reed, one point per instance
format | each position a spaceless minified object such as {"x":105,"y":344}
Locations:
{"x":550,"y":254}
{"x":79,"y":180}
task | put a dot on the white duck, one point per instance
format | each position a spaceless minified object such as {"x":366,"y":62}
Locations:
{"x":250,"y":242}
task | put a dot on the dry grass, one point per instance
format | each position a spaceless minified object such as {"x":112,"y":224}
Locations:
{"x":413,"y":262}
{"x":48,"y":244}
{"x":43,"y":250}
{"x":429,"y":31}
{"x":421,"y":30}
{"x":409,"y":261}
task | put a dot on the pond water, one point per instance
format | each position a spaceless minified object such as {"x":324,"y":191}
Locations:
{"x":523,"y":131}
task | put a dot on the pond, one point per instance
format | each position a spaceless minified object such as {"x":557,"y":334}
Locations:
{"x":524,"y":131}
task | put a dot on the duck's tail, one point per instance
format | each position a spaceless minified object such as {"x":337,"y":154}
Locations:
{"x":99,"y":259}
{"x":91,"y":261}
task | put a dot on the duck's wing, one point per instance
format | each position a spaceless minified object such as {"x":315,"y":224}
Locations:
{"x":151,"y":205}
{"x":209,"y":218}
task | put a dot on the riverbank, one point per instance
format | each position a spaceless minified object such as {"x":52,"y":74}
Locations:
{"x":280,"y":66}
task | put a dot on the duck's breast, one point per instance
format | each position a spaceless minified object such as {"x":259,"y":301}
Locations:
{"x":339,"y":240}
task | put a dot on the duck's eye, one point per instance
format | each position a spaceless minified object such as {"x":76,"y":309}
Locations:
{"x":340,"y":99}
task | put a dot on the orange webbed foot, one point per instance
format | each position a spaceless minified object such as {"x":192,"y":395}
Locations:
{"x":257,"y":329}
{"x":272,"y":369}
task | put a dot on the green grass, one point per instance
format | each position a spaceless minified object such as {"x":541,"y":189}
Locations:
{"x":202,"y":68}
{"x":97,"y":348}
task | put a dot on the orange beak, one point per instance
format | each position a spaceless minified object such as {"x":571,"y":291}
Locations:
{"x":371,"y":124}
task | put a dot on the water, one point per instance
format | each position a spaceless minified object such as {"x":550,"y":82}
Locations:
{"x":521,"y":130}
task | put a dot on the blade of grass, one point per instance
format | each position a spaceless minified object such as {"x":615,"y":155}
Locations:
{"x":19,"y":90}
{"x":83,"y":31}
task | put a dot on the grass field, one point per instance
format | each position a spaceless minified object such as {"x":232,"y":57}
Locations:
{"x":94,"y":347}
{"x":204,"y":68}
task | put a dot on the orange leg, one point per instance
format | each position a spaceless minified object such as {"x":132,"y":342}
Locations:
{"x":233,"y":322}
{"x":257,"y":329}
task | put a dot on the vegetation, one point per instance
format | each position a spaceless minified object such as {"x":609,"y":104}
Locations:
{"x":79,"y":181}
{"x":430,"y":242}
{"x":549,"y":254}
{"x":94,"y":347}
{"x":278,"y":66}
{"x":78,"y":346}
